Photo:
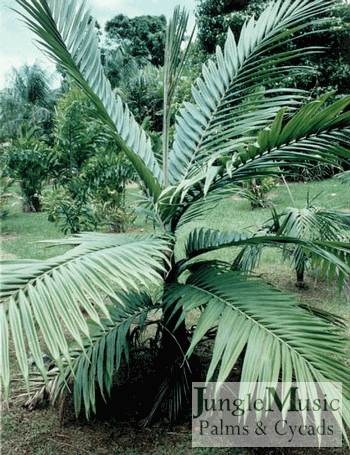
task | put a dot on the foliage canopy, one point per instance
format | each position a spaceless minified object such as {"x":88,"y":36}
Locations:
{"x":142,"y":36}
{"x":331,"y":68}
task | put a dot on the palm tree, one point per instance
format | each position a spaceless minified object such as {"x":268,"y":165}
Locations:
{"x":119,"y":280}
{"x":28,"y":101}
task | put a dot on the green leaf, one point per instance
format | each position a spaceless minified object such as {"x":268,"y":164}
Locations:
{"x":4,"y":351}
{"x":268,"y":328}
{"x":54,"y":293}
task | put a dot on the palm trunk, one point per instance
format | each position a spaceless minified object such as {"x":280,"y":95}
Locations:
{"x":300,"y":271}
{"x":175,"y":373}
{"x":36,"y":204}
{"x":174,"y":341}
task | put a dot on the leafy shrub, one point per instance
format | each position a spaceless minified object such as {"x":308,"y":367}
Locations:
{"x":72,"y":215}
{"x":258,"y":189}
{"x":5,"y":184}
{"x":113,"y":215}
{"x":26,"y":161}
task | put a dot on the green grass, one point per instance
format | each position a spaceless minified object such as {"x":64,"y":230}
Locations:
{"x":331,"y":194}
{"x":22,"y":231}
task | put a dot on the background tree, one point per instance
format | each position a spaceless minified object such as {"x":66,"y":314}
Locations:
{"x":141,"y":36}
{"x":132,"y":43}
{"x":332,"y":67}
{"x":213,"y":151}
{"x":215,"y":17}
{"x":77,"y":136}
{"x":26,"y":111}
{"x":143,"y":92}
{"x":29,"y":101}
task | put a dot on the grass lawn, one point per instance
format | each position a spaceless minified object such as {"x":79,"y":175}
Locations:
{"x":38,"y":432}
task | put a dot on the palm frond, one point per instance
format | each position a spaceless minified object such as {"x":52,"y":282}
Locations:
{"x":201,"y":241}
{"x":219,"y":114}
{"x":280,"y":339}
{"x":174,"y":393}
{"x":67,"y":35}
{"x":97,"y":365}
{"x":344,"y":177}
{"x":93,"y":370}
{"x":175,"y":61}
{"x":313,"y":224}
{"x":312,"y":135}
{"x":327,"y":267}
{"x":53,"y":293}
{"x":331,"y":256}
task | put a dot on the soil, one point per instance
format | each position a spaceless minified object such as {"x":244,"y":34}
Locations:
{"x":117,"y":427}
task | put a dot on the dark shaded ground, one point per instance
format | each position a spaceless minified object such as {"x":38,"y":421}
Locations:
{"x":38,"y":433}
{"x":116,"y":429}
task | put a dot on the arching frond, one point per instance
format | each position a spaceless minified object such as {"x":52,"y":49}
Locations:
{"x":96,"y":365}
{"x":331,"y":256}
{"x":202,"y":241}
{"x":93,"y":370}
{"x":219,"y":114}
{"x":313,"y":135}
{"x":315,"y":223}
{"x":53,"y":293}
{"x":67,"y":35}
{"x":277,"y":338}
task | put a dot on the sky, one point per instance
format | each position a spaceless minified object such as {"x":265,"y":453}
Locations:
{"x":16,"y":42}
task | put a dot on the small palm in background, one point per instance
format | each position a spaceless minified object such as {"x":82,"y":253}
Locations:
{"x":311,"y":224}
